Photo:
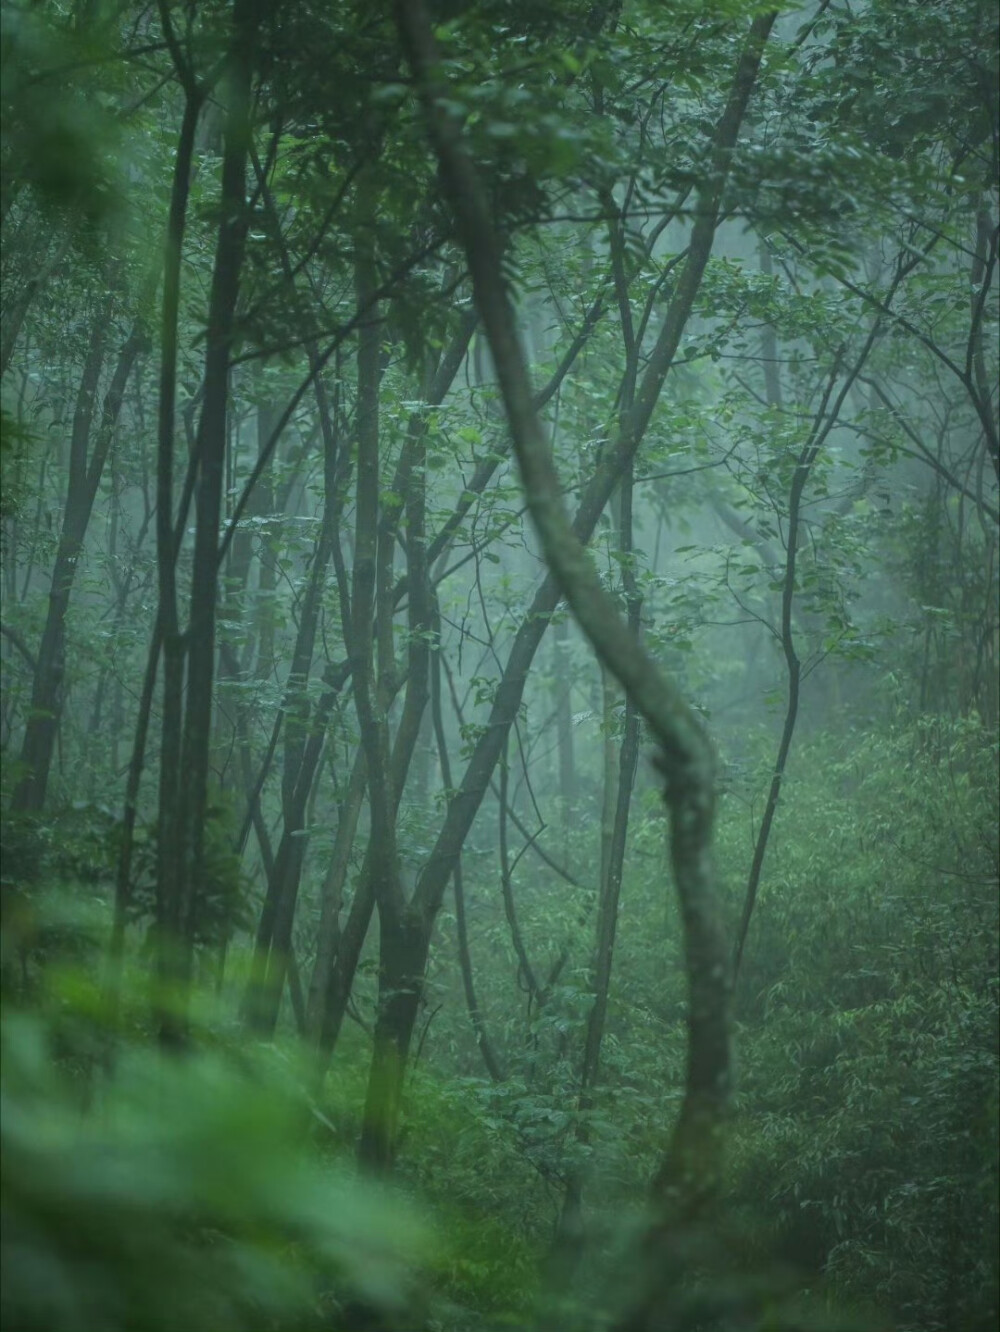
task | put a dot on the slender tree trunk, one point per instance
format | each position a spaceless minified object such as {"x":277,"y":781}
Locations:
{"x":980,"y":387}
{"x":186,"y":741}
{"x":84,"y":482}
{"x":628,"y":757}
{"x":40,"y":733}
{"x":486,"y":1047}
{"x":340,"y":978}
{"x":404,"y":932}
{"x":267,"y":574}
{"x":769,"y":343}
{"x":564,"y":719}
{"x":169,"y":849}
{"x":211,"y":449}
{"x":525,"y":972}
{"x":824,"y":420}
{"x":305,"y":731}
{"x":337,"y":954}
{"x":332,"y":898}
{"x":619,"y":781}
{"x":123,"y":873}
{"x":609,"y":784}
{"x":404,"y":942}
{"x":304,"y":727}
{"x":274,"y":937}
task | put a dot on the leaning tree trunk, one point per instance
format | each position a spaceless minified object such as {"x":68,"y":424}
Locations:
{"x":691,"y":1171}
{"x":84,"y":481}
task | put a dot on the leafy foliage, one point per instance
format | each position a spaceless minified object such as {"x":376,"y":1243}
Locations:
{"x":847,"y":315}
{"x":184,"y":1199}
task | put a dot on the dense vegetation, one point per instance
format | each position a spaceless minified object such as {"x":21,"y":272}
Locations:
{"x":365,"y":962}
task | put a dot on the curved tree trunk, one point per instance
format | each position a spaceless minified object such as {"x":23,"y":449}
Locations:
{"x":689,"y":750}
{"x":691,"y":1171}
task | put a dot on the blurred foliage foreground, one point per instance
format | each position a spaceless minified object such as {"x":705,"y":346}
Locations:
{"x":217,"y":1191}
{"x":182,"y":1196}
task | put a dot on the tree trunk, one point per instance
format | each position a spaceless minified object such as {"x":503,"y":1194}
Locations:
{"x":185,"y":748}
{"x":40,"y":733}
{"x":824,"y":420}
{"x":612,"y":866}
{"x":486,"y":1047}
{"x":169,"y":853}
{"x":84,"y":481}
{"x":331,"y":901}
{"x":690,"y":1175}
{"x":564,"y":719}
{"x":403,"y":946}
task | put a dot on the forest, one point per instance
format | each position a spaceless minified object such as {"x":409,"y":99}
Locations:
{"x":500,"y":644}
